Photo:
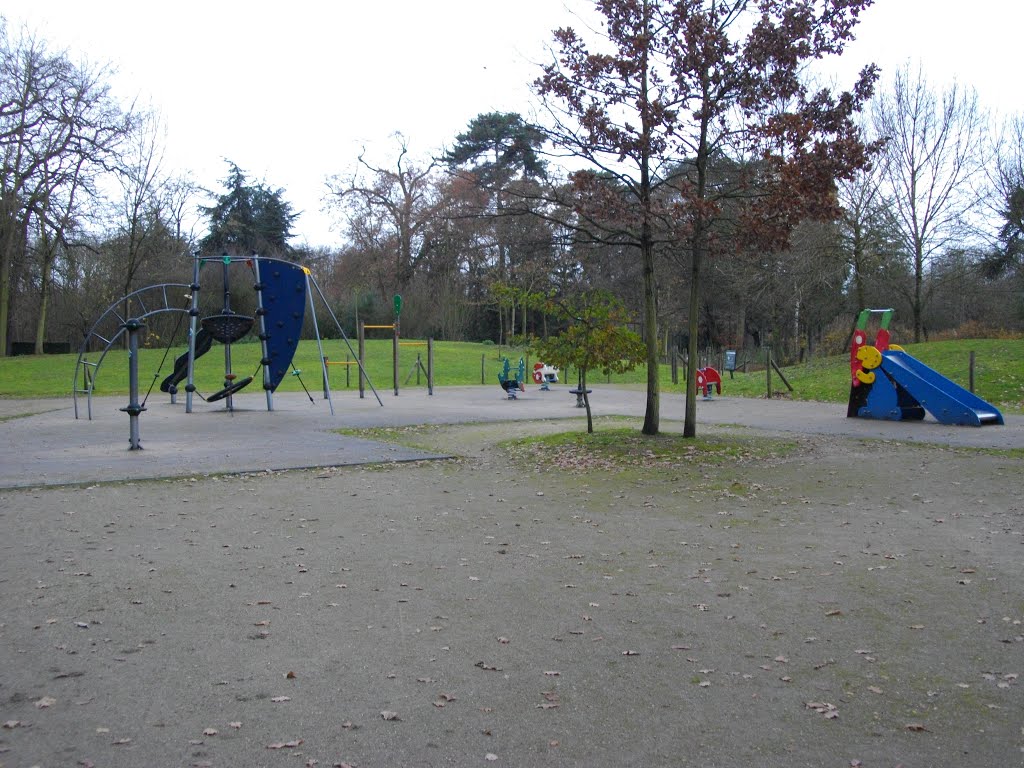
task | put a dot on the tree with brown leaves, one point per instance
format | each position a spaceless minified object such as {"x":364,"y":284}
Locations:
{"x":672,"y":86}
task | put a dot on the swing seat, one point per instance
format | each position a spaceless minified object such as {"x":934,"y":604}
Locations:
{"x":228,"y":328}
{"x":230,"y":389}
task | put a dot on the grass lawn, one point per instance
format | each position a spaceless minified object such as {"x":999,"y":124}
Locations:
{"x":999,"y":370}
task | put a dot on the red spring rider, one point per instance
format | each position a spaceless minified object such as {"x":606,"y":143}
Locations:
{"x":708,"y":378}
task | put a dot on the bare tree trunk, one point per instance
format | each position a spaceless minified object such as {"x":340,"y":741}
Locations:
{"x":46,"y":276}
{"x":917,"y":305}
{"x":651,"y":414}
{"x":12,"y":238}
{"x":693,"y":323}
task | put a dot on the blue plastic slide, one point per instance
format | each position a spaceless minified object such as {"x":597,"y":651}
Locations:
{"x":947,"y":401}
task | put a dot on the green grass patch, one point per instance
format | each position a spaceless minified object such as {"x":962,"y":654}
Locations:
{"x":422,"y":436}
{"x":998,"y":373}
{"x":624,"y":449}
{"x":999,"y":370}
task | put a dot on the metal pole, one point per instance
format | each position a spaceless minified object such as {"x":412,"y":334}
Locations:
{"x":768,"y":369}
{"x":430,"y":366}
{"x":319,"y":341}
{"x":229,"y":377}
{"x":394,"y":356}
{"x":362,"y":359}
{"x":193,"y":312}
{"x":330,"y":312}
{"x":133,"y":408}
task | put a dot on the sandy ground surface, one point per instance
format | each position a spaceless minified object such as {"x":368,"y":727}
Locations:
{"x":837,"y":593}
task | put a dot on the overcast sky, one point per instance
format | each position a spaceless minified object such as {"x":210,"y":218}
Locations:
{"x":291,"y":92}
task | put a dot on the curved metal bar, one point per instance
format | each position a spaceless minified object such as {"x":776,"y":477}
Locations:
{"x":113,"y":313}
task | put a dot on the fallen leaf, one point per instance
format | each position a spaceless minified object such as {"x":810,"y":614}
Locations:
{"x":823,"y":708}
{"x":12,"y":723}
{"x":121,"y":742}
{"x":285,"y":744}
{"x":290,"y":675}
{"x":209,"y":732}
{"x":631,"y":653}
{"x":552,"y":673}
{"x":387,"y":714}
{"x":45,"y":702}
{"x":874,"y":689}
{"x":235,"y":724}
{"x":916,"y":727}
{"x":279,"y":699}
{"x":490,"y":757}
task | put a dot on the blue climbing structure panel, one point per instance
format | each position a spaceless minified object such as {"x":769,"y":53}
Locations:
{"x":282,"y":286}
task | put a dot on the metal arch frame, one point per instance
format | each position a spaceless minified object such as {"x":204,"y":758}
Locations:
{"x":113,"y":312}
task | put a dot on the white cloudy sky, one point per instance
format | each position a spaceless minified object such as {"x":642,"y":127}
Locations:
{"x":292,"y":91}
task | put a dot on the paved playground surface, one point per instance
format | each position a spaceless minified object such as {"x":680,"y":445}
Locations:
{"x":51,"y":447}
{"x":849,"y":593}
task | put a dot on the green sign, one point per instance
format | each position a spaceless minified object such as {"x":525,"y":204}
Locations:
{"x":398,"y":305}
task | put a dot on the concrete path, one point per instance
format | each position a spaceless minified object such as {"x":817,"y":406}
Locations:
{"x":41,"y":442}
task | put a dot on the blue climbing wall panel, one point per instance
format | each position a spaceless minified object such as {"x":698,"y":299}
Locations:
{"x":284,"y":304}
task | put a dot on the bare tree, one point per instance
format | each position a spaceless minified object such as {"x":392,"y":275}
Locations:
{"x":59,"y":127}
{"x":1006,"y":184}
{"x":53,"y":221}
{"x":147,"y":212}
{"x":933,"y":155}
{"x":401,"y":198}
{"x":867,"y":228}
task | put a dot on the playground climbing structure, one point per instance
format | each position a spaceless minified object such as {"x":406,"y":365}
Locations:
{"x":282,"y":289}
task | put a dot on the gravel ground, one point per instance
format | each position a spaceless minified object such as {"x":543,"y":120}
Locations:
{"x":815,"y":600}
